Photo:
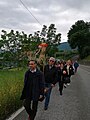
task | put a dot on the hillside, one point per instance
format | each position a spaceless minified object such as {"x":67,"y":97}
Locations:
{"x":64,"y":46}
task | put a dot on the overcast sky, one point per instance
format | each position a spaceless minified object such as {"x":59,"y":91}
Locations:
{"x":62,"y":13}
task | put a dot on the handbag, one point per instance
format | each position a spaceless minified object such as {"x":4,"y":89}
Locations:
{"x":41,"y":99}
{"x":67,"y":79}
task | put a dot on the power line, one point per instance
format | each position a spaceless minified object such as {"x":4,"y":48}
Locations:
{"x":30,"y":12}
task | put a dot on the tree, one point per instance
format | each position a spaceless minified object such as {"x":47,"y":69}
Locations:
{"x":18,"y":45}
{"x":79,"y":36}
{"x":50,"y":36}
{"x":11,"y":46}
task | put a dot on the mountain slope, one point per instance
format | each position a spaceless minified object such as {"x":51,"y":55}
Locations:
{"x":64,"y":46}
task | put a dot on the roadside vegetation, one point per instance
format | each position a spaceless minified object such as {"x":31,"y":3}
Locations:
{"x":11,"y":83}
{"x":65,"y":55}
{"x":87,"y":58}
{"x":85,"y":61}
{"x":79,"y":37}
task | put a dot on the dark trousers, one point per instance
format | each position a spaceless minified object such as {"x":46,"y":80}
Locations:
{"x":60,"y":86}
{"x":31,"y":108}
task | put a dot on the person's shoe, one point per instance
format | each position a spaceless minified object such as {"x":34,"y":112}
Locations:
{"x":68,"y":84}
{"x":29,"y":117}
{"x":60,"y":93}
{"x":65,"y":85}
{"x":45,"y":108}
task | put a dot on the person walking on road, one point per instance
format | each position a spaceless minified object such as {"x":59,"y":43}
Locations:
{"x":51,"y":77}
{"x":76,"y":65}
{"x":60,"y":66}
{"x":67,"y":72}
{"x":33,"y":89}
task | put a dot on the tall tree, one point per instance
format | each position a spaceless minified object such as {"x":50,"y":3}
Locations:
{"x":52,"y":38}
{"x":78,"y":36}
{"x":11,"y":46}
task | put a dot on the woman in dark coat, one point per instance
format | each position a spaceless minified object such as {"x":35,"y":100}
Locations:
{"x":59,"y":65}
{"x":68,"y":70}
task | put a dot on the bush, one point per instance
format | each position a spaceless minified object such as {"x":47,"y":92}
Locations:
{"x":11,"y":83}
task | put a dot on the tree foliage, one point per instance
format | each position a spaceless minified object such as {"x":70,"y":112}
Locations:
{"x":79,"y":37}
{"x":52,"y":38}
{"x":16,"y":44}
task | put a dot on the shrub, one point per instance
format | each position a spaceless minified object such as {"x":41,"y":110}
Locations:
{"x":11,"y":83}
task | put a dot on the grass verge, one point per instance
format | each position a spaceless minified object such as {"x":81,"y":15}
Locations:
{"x":11,"y":84}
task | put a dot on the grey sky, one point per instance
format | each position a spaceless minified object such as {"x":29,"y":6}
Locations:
{"x":63,"y":13}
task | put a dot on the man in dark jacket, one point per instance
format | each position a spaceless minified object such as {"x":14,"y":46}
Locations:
{"x":33,"y":89}
{"x":51,"y":77}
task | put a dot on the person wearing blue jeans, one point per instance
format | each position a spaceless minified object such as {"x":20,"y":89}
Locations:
{"x":47,"y":94}
{"x":51,"y":77}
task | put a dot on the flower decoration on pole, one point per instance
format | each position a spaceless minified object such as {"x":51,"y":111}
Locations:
{"x":43,"y":45}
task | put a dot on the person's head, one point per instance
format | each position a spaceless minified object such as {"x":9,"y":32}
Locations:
{"x":76,"y":61}
{"x":68,"y":62}
{"x":32,"y":64}
{"x":51,"y":61}
{"x":57,"y":63}
{"x":62,"y":65}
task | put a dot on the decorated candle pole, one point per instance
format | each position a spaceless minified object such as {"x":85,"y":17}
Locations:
{"x":42,"y":58}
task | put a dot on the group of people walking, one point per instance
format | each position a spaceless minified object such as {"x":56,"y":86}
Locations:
{"x":38,"y":84}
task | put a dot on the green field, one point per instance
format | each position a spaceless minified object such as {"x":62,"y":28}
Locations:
{"x":11,"y":84}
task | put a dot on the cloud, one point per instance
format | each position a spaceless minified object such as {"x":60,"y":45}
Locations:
{"x":62,"y":13}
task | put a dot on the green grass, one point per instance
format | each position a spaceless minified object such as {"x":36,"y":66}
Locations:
{"x":87,"y":58}
{"x":11,"y":84}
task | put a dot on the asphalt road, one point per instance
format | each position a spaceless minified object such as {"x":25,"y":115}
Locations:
{"x":74,"y":104}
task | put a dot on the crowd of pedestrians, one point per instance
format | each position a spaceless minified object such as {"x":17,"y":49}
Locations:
{"x":38,"y":83}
